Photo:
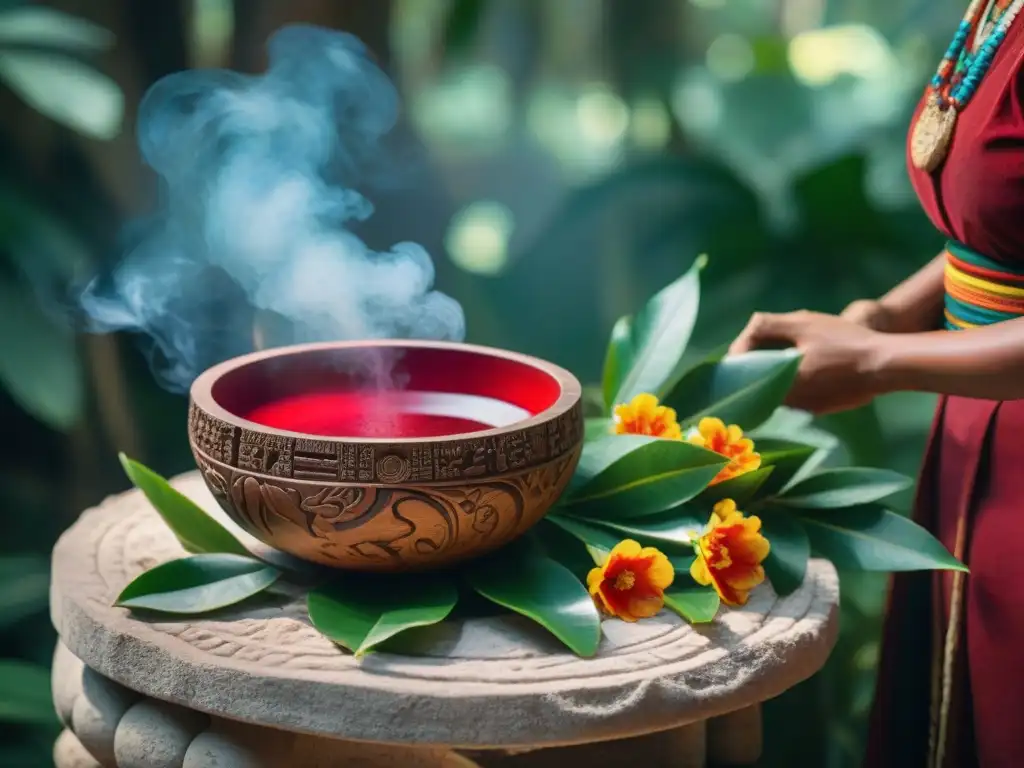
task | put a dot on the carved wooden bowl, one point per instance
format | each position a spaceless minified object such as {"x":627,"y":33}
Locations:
{"x":386,"y":455}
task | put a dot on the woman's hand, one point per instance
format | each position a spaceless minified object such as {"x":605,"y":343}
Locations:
{"x":871,"y":314}
{"x":838,"y":370}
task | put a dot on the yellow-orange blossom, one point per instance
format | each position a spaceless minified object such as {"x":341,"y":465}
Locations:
{"x":643,"y":415}
{"x":730,"y":553}
{"x":631,"y":582}
{"x":728,"y":441}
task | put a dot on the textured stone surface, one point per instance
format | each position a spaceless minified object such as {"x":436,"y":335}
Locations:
{"x":676,"y":748}
{"x":483,"y":683}
{"x":68,"y":752}
{"x":96,"y":713}
{"x":155,"y":734}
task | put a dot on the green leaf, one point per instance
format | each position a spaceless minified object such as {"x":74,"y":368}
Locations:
{"x":773,"y":437}
{"x":196,"y":530}
{"x":25,"y":581}
{"x":65,"y":90}
{"x":596,"y":429}
{"x":600,"y":453}
{"x":25,"y":696}
{"x":696,"y":604}
{"x":360,"y":612}
{"x":592,"y":401}
{"x":784,"y":423}
{"x":39,"y":367}
{"x":616,"y":360}
{"x":674,"y":527}
{"x":740,"y":489}
{"x":861,"y":433}
{"x":598,"y":541}
{"x":656,"y":476}
{"x":840,"y":488}
{"x":741,"y":389}
{"x":786,"y":459}
{"x":45,"y":27}
{"x":786,"y":564}
{"x":534,"y":585}
{"x":650,"y":347}
{"x":198,"y":584}
{"x":871,"y":538}
{"x":564,"y":547}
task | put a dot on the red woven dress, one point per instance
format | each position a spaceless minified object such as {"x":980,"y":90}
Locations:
{"x":965,"y":644}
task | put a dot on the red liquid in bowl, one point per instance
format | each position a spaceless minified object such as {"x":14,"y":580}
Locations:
{"x":384,"y":414}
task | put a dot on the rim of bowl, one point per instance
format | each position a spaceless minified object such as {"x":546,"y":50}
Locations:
{"x":570,"y":389}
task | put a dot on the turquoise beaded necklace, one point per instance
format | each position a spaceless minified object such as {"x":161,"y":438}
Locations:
{"x":955,"y":81}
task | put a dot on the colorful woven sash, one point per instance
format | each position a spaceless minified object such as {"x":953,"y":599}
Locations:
{"x":980,"y":291}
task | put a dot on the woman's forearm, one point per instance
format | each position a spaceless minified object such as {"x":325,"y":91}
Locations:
{"x":985,"y":363}
{"x":916,"y":304}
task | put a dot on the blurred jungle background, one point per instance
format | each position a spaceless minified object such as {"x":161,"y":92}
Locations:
{"x":575,"y":156}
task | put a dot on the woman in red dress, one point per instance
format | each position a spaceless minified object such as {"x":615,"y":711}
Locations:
{"x":951,"y":675}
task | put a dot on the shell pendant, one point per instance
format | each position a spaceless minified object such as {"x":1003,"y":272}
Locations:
{"x":932,"y":135}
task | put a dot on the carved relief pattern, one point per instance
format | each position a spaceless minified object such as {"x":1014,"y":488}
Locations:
{"x":441,"y":501}
{"x":373,"y":528}
{"x":352,"y":462}
{"x":266,"y":454}
{"x":212,"y":436}
{"x":315,"y":460}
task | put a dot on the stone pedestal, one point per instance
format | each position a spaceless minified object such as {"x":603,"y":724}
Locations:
{"x":256,"y":685}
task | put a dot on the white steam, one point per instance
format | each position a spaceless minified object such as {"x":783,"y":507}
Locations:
{"x":258,"y":176}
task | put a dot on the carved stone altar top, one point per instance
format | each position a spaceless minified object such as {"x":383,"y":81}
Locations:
{"x":498,"y":682}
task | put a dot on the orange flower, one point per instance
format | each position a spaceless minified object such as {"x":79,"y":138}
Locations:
{"x":730,"y":553}
{"x":729,"y":442}
{"x":643,"y":415}
{"x":632,"y":582}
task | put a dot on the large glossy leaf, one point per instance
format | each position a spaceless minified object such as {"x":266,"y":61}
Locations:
{"x":196,"y":530}
{"x":598,"y":540}
{"x":648,"y":348}
{"x":741,"y":389}
{"x":871,"y":538}
{"x":66,"y":90}
{"x":39,"y":365}
{"x":696,"y":604}
{"x":569,"y":550}
{"x":657,"y":476}
{"x":789,"y":431}
{"x":786,"y":564}
{"x":359,"y":613}
{"x":785,"y":423}
{"x":740,"y":489}
{"x":861,"y":433}
{"x":25,"y":696}
{"x":786,"y":459}
{"x":24,"y":587}
{"x":616,"y":360}
{"x":36,"y":26}
{"x":596,"y":428}
{"x":840,"y":488}
{"x":674,"y":527}
{"x":528,"y":582}
{"x":198,"y":584}
{"x":600,"y":453}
